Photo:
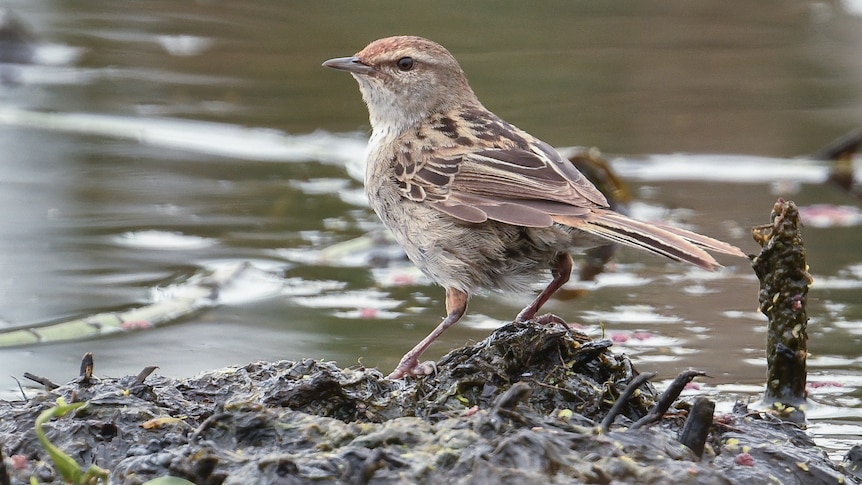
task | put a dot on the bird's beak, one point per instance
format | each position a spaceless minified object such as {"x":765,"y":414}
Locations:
{"x":349,"y":64}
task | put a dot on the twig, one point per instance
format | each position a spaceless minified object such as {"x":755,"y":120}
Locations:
{"x":842,"y":147}
{"x":142,"y":376}
{"x":697,"y":426}
{"x":86,"y":372}
{"x":515,"y":394}
{"x":20,"y":387}
{"x":505,"y":404}
{"x":48,"y":383}
{"x":624,"y":398}
{"x":668,"y":397}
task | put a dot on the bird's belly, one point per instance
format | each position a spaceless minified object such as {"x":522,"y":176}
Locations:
{"x":467,"y":256}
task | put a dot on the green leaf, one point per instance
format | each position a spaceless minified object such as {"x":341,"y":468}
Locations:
{"x":66,"y":466}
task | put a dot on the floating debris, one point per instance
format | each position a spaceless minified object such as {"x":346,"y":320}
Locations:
{"x":231,"y":282}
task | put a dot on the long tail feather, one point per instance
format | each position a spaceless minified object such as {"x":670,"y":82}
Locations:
{"x":704,"y":242}
{"x":670,"y":242}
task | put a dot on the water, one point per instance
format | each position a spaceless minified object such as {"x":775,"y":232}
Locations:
{"x":152,"y":141}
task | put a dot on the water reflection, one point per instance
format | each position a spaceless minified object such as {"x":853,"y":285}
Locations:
{"x":155,"y":140}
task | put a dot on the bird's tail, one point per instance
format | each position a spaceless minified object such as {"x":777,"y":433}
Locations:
{"x":668,"y":241}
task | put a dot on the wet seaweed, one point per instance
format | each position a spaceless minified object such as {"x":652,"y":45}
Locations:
{"x":522,"y":405}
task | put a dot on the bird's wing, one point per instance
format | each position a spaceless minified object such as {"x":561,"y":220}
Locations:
{"x":538,"y":188}
{"x":515,"y":186}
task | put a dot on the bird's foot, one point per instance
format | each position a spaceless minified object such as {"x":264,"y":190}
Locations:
{"x":410,"y":366}
{"x":549,"y":318}
{"x":529,"y":315}
{"x":545,"y":319}
{"x":525,"y":316}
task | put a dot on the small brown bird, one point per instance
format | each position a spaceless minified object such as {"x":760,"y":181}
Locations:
{"x":474,"y":201}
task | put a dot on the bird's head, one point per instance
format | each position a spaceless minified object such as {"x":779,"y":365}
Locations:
{"x":406,"y":79}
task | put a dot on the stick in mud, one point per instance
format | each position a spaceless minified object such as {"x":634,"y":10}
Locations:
{"x":668,"y":397}
{"x":696,"y":429}
{"x":784,"y":283}
{"x":86,"y":372}
{"x":48,"y":383}
{"x":627,"y":393}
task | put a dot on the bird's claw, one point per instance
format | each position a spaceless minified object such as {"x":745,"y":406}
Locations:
{"x":545,"y":319}
{"x":411,"y":367}
{"x":549,"y":318}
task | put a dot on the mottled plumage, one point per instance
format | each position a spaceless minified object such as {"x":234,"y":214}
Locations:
{"x":474,"y":201}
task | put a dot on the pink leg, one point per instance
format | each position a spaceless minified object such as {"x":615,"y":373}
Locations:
{"x":561,"y":270}
{"x":456,"y":306}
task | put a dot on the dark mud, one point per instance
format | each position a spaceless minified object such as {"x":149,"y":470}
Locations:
{"x":524,"y":405}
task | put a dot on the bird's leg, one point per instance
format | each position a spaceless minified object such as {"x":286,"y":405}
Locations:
{"x":561,"y":270}
{"x":456,"y":306}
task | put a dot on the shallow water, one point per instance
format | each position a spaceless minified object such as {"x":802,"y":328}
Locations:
{"x":152,"y":141}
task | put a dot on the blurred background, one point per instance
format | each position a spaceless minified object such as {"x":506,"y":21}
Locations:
{"x":145,"y":144}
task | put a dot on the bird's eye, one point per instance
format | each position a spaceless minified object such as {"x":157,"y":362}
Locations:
{"x":404,"y":64}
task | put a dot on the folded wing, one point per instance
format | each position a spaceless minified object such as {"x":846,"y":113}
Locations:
{"x":538,"y":188}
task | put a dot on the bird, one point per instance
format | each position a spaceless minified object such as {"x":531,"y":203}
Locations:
{"x":475,"y":202}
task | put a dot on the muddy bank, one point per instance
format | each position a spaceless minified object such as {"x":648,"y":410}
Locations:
{"x":526,"y":404}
